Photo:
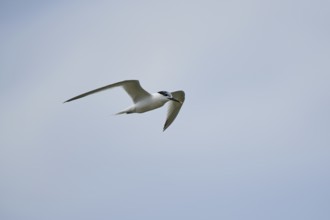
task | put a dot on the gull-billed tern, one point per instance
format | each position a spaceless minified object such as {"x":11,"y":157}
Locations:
{"x":145,"y":101}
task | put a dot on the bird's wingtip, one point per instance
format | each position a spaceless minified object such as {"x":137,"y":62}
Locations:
{"x":69,"y":100}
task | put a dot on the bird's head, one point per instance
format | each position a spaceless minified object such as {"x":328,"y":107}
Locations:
{"x":169,"y":96}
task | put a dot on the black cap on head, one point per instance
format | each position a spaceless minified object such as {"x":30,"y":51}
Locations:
{"x":166,"y":94}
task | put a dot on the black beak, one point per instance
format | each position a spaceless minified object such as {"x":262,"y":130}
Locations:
{"x":175,"y":100}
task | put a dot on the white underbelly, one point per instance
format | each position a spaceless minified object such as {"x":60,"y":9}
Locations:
{"x":148,"y":105}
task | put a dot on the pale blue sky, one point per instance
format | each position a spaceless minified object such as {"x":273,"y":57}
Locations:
{"x":251,"y":142}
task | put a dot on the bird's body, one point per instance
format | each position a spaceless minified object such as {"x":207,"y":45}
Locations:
{"x":149,"y":103}
{"x":144,"y":101}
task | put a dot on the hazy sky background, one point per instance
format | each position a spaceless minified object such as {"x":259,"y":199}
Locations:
{"x":252,"y":140}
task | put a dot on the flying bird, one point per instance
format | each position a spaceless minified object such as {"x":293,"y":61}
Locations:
{"x":143,"y":100}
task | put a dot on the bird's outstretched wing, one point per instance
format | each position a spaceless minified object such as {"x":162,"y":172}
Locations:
{"x":174,"y":108}
{"x":132,"y":87}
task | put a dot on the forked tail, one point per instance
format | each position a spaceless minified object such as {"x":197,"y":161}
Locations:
{"x":126,"y":111}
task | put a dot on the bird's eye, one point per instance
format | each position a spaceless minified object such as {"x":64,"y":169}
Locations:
{"x":166,"y":94}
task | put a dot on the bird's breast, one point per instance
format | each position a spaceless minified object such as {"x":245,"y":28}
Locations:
{"x":149,"y":104}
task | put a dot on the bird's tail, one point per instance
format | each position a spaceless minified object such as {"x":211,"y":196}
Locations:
{"x":126,"y":111}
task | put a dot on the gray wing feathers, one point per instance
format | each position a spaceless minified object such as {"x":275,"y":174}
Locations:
{"x":135,"y":91}
{"x":174,"y":108}
{"x":132,"y":87}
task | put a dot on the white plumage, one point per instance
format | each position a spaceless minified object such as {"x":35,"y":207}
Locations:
{"x":143,"y":100}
